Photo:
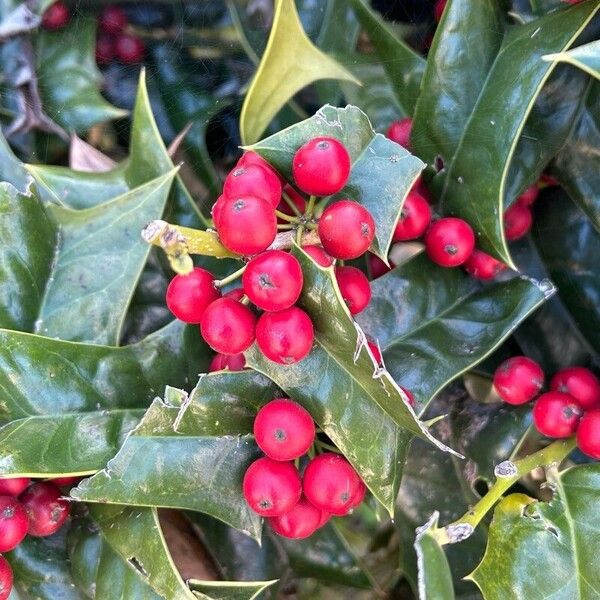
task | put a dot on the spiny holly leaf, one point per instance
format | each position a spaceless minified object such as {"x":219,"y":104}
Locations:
{"x":364,"y":413}
{"x":586,"y":58}
{"x":71,"y":404}
{"x":69,"y":79}
{"x":290,"y":62}
{"x":433,"y":323}
{"x":487,"y":131}
{"x":403,"y":66}
{"x":382,"y":172}
{"x":190,"y":453}
{"x":577,"y":166}
{"x":546,"y":549}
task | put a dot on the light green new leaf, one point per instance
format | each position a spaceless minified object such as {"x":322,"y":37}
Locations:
{"x":69,"y":79}
{"x":382,"y":172}
{"x":586,"y":58}
{"x":546,"y":550}
{"x":290,"y":62}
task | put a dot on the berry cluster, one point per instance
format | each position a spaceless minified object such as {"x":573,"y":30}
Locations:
{"x":572,"y":406}
{"x":27,"y":508}
{"x":297,"y":506}
{"x":112,"y":41}
{"x":246,"y":218}
{"x":56,"y":16}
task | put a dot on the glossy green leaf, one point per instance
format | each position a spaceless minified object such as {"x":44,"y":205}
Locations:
{"x":546,"y":549}
{"x":190,"y":452}
{"x":488,"y":133}
{"x":433,"y":323}
{"x":435,"y":579}
{"x":358,"y":406}
{"x":403,"y":65}
{"x":11,"y":168}
{"x":586,"y":58}
{"x":222,"y":590}
{"x":382,"y":172}
{"x":577,"y":165}
{"x":69,"y":79}
{"x":290,"y":62}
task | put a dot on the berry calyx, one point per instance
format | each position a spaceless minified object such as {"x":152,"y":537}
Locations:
{"x":285,"y":336}
{"x":318,"y":255}
{"x":112,"y":20}
{"x":46,"y":510}
{"x":580,"y":383}
{"x":13,"y":486}
{"x":438,"y":10}
{"x":246,"y":225}
{"x":271,"y":487}
{"x":56,"y":16}
{"x":105,"y":49}
{"x":588,"y":434}
{"x":283,"y":429}
{"x":346,"y":229}
{"x":529,"y":196}
{"x":253,"y":180}
{"x":556,"y":415}
{"x":355,"y":288}
{"x":300,"y":522}
{"x":414,"y":218}
{"x":188,"y":296}
{"x":483,"y":266}
{"x":13,"y":523}
{"x":449,"y":242}
{"x":230,"y":362}
{"x":517,"y":221}
{"x":518,"y":380}
{"x":6,"y":579}
{"x":321,"y":167}
{"x":331,"y":483}
{"x":273,"y":280}
{"x":130,"y":50}
{"x":399,"y":132}
{"x":227,"y":326}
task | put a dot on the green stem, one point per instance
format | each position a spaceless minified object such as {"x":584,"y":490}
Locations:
{"x":291,"y":204}
{"x":285,"y":217}
{"x":324,"y":446}
{"x":554,"y":453}
{"x":307,"y":215}
{"x":287,"y":226}
{"x":236,"y":275}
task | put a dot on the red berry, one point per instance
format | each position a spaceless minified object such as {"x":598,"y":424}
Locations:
{"x":438,"y":10}
{"x":318,"y":255}
{"x":231,"y":362}
{"x":65,"y":481}
{"x":300,"y":522}
{"x":56,"y":16}
{"x":217,"y":209}
{"x":13,"y":486}
{"x":46,"y":510}
{"x":188,"y":296}
{"x":129,"y":49}
{"x":298,"y":201}
{"x":588,"y":434}
{"x":283,"y":429}
{"x":235,"y":294}
{"x":273,"y":280}
{"x":325,"y":517}
{"x":228,"y":326}
{"x":13,"y":523}
{"x":411,"y":398}
{"x":556,"y":415}
{"x":253,"y":158}
{"x":414,"y":218}
{"x":285,"y":336}
{"x":399,"y":132}
{"x":330,"y":483}
{"x":518,"y":380}
{"x":272,"y":487}
{"x":346,"y":229}
{"x":253,"y":180}
{"x":449,"y":242}
{"x":6,"y":579}
{"x":246,"y":225}
{"x":375,"y":351}
{"x":377,"y":267}
{"x":112,"y":20}
{"x":105,"y":49}
{"x":360,"y":495}
{"x":321,"y":167}
{"x":517,"y":221}
{"x":420,"y":188}
{"x":529,"y":196}
{"x":580,"y":383}
{"x":483,"y":266}
{"x":354,"y":288}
